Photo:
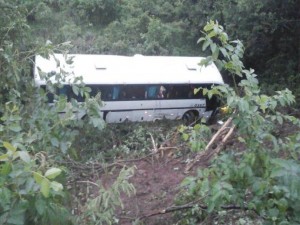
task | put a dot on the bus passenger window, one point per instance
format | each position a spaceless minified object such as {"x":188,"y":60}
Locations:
{"x":161,"y":92}
{"x":123,"y":95}
{"x":191,"y":93}
{"x":64,"y":90}
{"x":94,"y":90}
{"x":151,"y":91}
{"x":171,"y":92}
{"x":134,"y":92}
{"x":116,"y":92}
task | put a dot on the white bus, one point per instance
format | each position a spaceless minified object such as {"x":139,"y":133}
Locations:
{"x":140,"y":88}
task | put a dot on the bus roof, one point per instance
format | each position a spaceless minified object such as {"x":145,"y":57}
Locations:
{"x":137,"y":69}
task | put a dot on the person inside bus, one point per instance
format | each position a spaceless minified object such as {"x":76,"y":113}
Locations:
{"x":151,"y":91}
{"x":161,"y":92}
{"x":172,"y":93}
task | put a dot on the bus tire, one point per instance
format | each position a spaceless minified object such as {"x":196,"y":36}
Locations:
{"x":189,"y":118}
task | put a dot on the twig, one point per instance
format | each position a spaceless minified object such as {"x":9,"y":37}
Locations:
{"x":88,"y":182}
{"x":153,"y":143}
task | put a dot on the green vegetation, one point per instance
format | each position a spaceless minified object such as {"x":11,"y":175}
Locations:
{"x":256,"y":180}
{"x":260,"y":181}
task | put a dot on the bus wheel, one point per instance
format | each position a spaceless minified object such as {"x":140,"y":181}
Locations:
{"x":189,"y":118}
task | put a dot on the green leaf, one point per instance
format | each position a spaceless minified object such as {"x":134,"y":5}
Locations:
{"x":211,"y":206}
{"x":209,"y":26}
{"x":15,"y":127}
{"x":205,"y":45}
{"x":5,"y":196}
{"x":185,"y":136}
{"x":52,"y":173}
{"x":213,"y":47}
{"x":40,"y":206}
{"x":56,"y":186}
{"x":201,"y":39}
{"x":45,"y":187}
{"x":75,"y":89}
{"x":4,"y":157}
{"x":54,"y":142}
{"x":280,"y":120}
{"x":8,"y":146}
{"x":242,"y":140}
{"x":17,"y":215}
{"x":5,"y":168}
{"x":25,"y":156}
{"x":224,"y":52}
{"x":229,"y":47}
{"x":187,"y":181}
{"x":215,"y":53}
{"x":283,"y":204}
{"x":38,"y":177}
{"x":212,"y":34}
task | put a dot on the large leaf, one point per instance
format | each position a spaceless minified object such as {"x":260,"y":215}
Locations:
{"x":45,"y":187}
{"x":56,"y":186}
{"x":17,"y":213}
{"x":9,"y":146}
{"x":25,"y":156}
{"x":40,"y":206}
{"x":52,"y":173}
{"x":4,"y":157}
{"x":38,"y":177}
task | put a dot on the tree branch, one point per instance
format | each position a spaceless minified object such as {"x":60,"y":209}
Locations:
{"x":207,"y":154}
{"x":191,"y":205}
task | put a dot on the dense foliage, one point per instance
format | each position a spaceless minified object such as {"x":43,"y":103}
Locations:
{"x":260,"y":179}
{"x":34,"y":137}
{"x":269,"y":29}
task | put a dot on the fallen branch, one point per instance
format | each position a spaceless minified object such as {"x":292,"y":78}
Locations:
{"x":191,"y":205}
{"x":208,"y":151}
{"x":169,"y":209}
{"x":219,"y":132}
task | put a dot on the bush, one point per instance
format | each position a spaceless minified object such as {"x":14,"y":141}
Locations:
{"x":258,"y":179}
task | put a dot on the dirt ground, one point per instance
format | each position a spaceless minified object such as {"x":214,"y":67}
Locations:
{"x":156,"y":181}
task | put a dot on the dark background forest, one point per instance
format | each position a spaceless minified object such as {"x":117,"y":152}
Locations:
{"x":52,"y":165}
{"x":269,"y":29}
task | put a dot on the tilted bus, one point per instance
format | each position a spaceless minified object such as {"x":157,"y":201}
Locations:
{"x":140,"y":88}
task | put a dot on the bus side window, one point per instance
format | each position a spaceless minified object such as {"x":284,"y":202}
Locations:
{"x":94,"y":90}
{"x":132,"y":92}
{"x":161,"y":92}
{"x":123,"y":93}
{"x":63,"y":90}
{"x":115,"y":92}
{"x":191,"y":93}
{"x":199,"y":92}
{"x":151,"y":91}
{"x":172,"y":92}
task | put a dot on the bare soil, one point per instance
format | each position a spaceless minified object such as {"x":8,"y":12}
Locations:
{"x":156,"y":181}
